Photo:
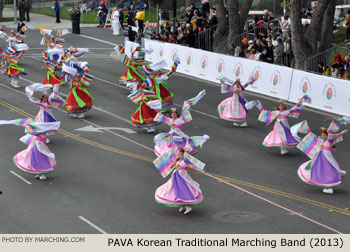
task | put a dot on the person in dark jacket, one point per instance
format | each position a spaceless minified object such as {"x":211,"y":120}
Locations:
{"x":21,"y":8}
{"x":57,"y":9}
{"x":121,"y":18}
{"x":75,"y":15}
{"x":190,"y":39}
{"x":131,"y":34}
{"x":131,"y":16}
{"x":20,"y":25}
{"x":205,"y":8}
{"x":27,"y":8}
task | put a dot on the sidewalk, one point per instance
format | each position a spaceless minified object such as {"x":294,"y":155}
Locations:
{"x":40,"y":21}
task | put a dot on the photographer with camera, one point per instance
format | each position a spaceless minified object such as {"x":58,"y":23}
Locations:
{"x":75,"y":16}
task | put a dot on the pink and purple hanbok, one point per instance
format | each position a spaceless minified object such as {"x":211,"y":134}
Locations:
{"x":180,"y":189}
{"x":36,"y":159}
{"x":322,"y":170}
{"x":176,"y":138}
{"x":233,"y":108}
{"x":281,"y":135}
{"x":44,"y":114}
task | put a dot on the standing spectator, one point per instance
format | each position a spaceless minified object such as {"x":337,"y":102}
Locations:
{"x":140,"y":17}
{"x":212,"y":21}
{"x":75,"y":15}
{"x":27,"y":8}
{"x":244,"y":44}
{"x":334,"y":71}
{"x":205,"y":8}
{"x":131,"y":34}
{"x":285,"y":25}
{"x":347,"y":25}
{"x":57,"y":9}
{"x":130,"y":16}
{"x":140,"y":4}
{"x":115,"y":21}
{"x":326,"y":70}
{"x":287,"y":44}
{"x":346,"y":65}
{"x":278,"y":52}
{"x":251,"y":54}
{"x":250,"y":45}
{"x":231,"y":49}
{"x":258,"y":44}
{"x":188,"y":16}
{"x":305,"y":26}
{"x":238,"y":52}
{"x":121,"y":18}
{"x":102,"y":14}
{"x":21,"y":8}
{"x":265,"y":16}
{"x":190,"y":38}
{"x":320,"y":67}
{"x":269,"y":52}
{"x":77,"y":21}
{"x":337,"y":59}
{"x":258,"y":55}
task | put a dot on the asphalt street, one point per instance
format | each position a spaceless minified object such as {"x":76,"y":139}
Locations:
{"x":105,"y":180}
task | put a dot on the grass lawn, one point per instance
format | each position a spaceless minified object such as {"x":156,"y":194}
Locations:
{"x":6,"y":19}
{"x":86,"y":18}
{"x":91,"y":16}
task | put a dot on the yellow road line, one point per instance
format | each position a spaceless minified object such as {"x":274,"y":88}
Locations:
{"x":79,"y":138}
{"x":284,"y":194}
{"x":122,"y":152}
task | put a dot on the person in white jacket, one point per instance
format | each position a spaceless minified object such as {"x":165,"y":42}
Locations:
{"x":115,"y":21}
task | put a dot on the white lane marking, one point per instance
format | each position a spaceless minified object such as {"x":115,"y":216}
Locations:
{"x":200,"y":112}
{"x":111,"y":83}
{"x":93,"y":225}
{"x":93,"y":107}
{"x":111,"y":114}
{"x":91,"y":128}
{"x":100,"y":40}
{"x":100,"y":48}
{"x":20,"y":177}
{"x":39,"y":54}
{"x":25,"y":79}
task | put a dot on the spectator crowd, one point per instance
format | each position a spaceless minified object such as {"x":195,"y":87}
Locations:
{"x":195,"y":20}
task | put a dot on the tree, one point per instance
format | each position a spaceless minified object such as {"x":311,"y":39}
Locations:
{"x":220,"y":35}
{"x":327,"y":26}
{"x":237,"y":17}
{"x":306,"y":45}
{"x":1,"y":7}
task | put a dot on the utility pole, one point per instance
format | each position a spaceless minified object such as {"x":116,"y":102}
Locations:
{"x":174,"y":17}
{"x":15,"y":11}
{"x":149,"y":11}
{"x":158,"y":28}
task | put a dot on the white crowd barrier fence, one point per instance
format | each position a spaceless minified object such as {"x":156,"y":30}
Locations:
{"x":327,"y":94}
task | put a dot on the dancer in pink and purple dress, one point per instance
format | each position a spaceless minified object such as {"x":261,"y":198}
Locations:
{"x":36,"y":159}
{"x":281,"y":136}
{"x":180,"y":190}
{"x":45,"y":103}
{"x":322,"y":170}
{"x":233,"y":108}
{"x":176,"y":138}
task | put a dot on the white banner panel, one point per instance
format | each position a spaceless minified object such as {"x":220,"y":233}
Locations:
{"x":129,"y":47}
{"x":329,"y":94}
{"x":273,"y":81}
